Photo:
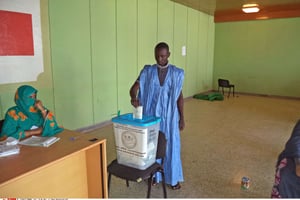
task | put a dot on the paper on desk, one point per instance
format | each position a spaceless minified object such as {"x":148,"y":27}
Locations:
{"x":39,"y":141}
{"x":6,"y":150}
{"x":9,"y":141}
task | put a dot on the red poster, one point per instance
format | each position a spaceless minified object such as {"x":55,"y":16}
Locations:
{"x":16,"y":38}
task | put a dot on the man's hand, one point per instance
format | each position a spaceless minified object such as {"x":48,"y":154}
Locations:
{"x":181,"y":124}
{"x":135,"y":102}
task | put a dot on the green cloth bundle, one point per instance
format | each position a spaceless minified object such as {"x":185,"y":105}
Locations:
{"x":211,"y":96}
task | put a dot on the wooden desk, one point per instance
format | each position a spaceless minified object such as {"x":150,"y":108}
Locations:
{"x":70,"y":168}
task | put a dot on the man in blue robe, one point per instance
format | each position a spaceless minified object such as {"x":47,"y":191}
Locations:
{"x":159,"y":89}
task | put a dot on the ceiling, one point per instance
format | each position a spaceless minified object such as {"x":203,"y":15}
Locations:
{"x":228,"y":7}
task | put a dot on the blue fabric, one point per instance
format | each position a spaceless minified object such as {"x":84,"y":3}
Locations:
{"x":289,"y":186}
{"x":161,"y":101}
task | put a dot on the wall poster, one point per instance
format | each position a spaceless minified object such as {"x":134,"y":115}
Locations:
{"x":21,"y":51}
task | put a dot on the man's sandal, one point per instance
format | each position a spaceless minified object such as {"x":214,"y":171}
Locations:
{"x":154,"y":182}
{"x":175,"y":187}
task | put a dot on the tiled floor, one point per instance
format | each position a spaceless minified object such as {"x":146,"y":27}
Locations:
{"x":222,"y":142}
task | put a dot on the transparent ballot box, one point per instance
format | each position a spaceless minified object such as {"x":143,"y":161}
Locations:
{"x":136,"y":140}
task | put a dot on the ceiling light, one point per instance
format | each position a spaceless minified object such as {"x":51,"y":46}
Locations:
{"x":250,"y":8}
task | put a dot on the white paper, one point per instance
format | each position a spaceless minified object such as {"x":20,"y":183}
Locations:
{"x":138,"y":112}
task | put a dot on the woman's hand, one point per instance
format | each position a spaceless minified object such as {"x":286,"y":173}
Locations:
{"x":37,"y":131}
{"x":39,"y":105}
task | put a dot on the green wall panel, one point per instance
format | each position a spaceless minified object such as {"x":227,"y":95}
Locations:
{"x":192,"y":53}
{"x":103,"y":34}
{"x":98,"y":48}
{"x":180,"y":37}
{"x":71,"y":61}
{"x":210,"y":53}
{"x":259,"y":56}
{"x":147,"y":32}
{"x":165,"y":24}
{"x":203,"y":54}
{"x":126,"y":51}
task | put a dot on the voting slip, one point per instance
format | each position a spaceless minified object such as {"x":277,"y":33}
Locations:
{"x":7,"y":150}
{"x":39,"y":141}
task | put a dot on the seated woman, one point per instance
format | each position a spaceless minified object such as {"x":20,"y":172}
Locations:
{"x":29,"y":117}
{"x":287,"y":177}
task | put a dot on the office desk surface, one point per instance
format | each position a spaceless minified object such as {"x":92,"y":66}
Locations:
{"x":32,"y":159}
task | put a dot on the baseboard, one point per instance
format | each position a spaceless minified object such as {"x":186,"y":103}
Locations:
{"x":94,"y":127}
{"x":264,"y":95}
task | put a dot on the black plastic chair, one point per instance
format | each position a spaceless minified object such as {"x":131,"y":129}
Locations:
{"x":137,"y":175}
{"x":223,"y":83}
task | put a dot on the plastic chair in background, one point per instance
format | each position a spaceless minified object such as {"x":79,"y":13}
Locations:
{"x":223,"y":83}
{"x":138,"y":175}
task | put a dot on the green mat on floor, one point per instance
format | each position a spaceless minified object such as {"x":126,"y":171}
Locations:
{"x":210,"y":96}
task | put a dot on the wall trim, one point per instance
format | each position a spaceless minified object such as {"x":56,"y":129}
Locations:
{"x":264,"y":95}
